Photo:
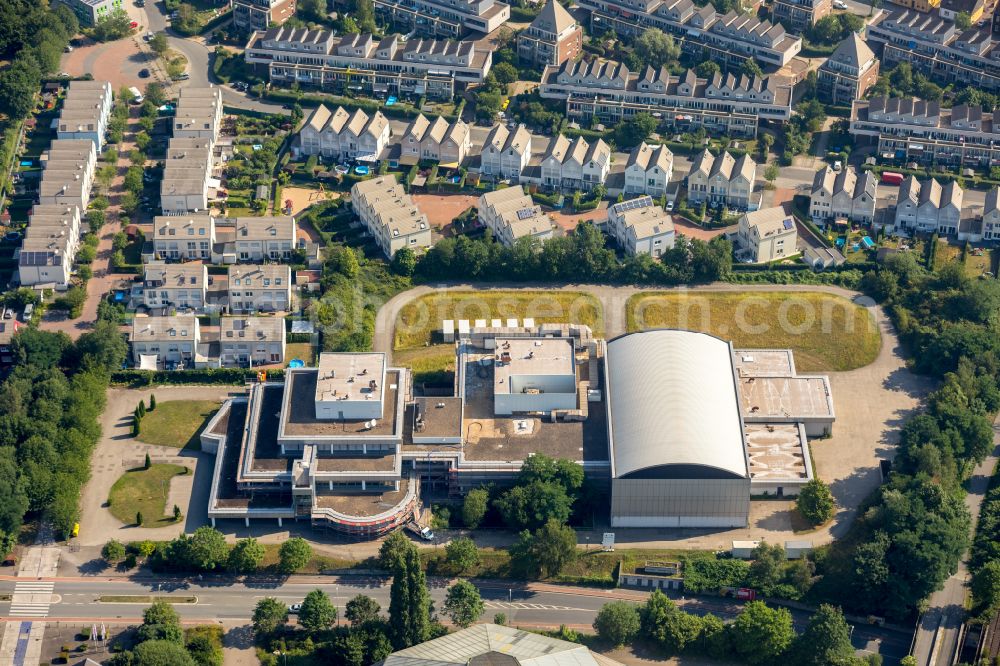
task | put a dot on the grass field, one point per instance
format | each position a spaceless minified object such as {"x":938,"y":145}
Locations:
{"x":434,"y":364}
{"x":177,"y":423}
{"x":144,"y":491}
{"x":826,"y":332}
{"x":300,"y":350}
{"x":419,"y":322}
{"x":975,"y":266}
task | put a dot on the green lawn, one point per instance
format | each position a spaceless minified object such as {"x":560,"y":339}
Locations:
{"x":419,"y":322}
{"x":144,"y":491}
{"x":177,"y":423}
{"x":434,"y":364}
{"x":826,"y":332}
{"x":977,"y":260}
{"x":300,"y":350}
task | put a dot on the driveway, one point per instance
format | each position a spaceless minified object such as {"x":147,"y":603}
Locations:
{"x":870,"y":404}
{"x":117,"y":452}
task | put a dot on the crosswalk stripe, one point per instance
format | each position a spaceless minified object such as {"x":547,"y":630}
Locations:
{"x":23,"y":602}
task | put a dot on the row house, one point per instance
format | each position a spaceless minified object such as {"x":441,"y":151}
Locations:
{"x":728,"y":38}
{"x":364,"y":65}
{"x":261,"y":14}
{"x":937,"y":48}
{"x":183,"y":237}
{"x":848,"y":73}
{"x":575,"y":165}
{"x":437,"y":141}
{"x":447,"y":19}
{"x":511,"y":215}
{"x":800,"y":15}
{"x":390,"y":215}
{"x":725,"y":103}
{"x":721,"y":180}
{"x":843,"y":194}
{"x":343,"y":135}
{"x":49,"y":246}
{"x":928,"y":207}
{"x":766,"y":235}
{"x":640,"y":226}
{"x":505,"y":153}
{"x":648,"y":170}
{"x":175,"y":286}
{"x":262,"y":238}
{"x":260,"y":288}
{"x":911,"y":129}
{"x":991,"y":215}
{"x":198,"y":114}
{"x":552,"y":38}
{"x":169,"y":340}
{"x":85,"y":112}
{"x":187,"y":183}
{"x":68,"y":169}
{"x":251,"y":341}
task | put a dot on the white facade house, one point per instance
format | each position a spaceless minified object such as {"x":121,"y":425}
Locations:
{"x":198,"y":114}
{"x":260,"y":238}
{"x":843,"y":194}
{"x":179,"y":286}
{"x":766,"y":235}
{"x":648,"y":170}
{"x":171,"y":339}
{"x":344,"y":135}
{"x":506,"y":153}
{"x":68,"y":172}
{"x":264,"y":288}
{"x":85,"y":112}
{"x":511,"y":214}
{"x":390,"y":215}
{"x":928,"y":207}
{"x":439,"y":141}
{"x":183,"y":236}
{"x":721,"y":180}
{"x":640,"y":226}
{"x":575,"y":165}
{"x":991,"y":215}
{"x":251,"y":341}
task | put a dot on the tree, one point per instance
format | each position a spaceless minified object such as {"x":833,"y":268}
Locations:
{"x":986,"y":587}
{"x":504,"y":73}
{"x":404,"y":262}
{"x":312,"y":10}
{"x":317,"y":611}
{"x":463,"y":604}
{"x":207,"y":548}
{"x":707,"y":69}
{"x":392,"y":553}
{"x":147,"y":463}
{"x":766,"y":568}
{"x":462,"y":554}
{"x":133,"y":179}
{"x":618,"y":622}
{"x":161,"y":653}
{"x":158,"y":43}
{"x":815,"y":502}
{"x":113,"y":551}
{"x":500,"y":618}
{"x":269,"y":615}
{"x":18,"y":86}
{"x":963,"y":20}
{"x":634,"y":131}
{"x":475,"y":505}
{"x":361,"y":609}
{"x":294,"y":554}
{"x":138,"y":516}
{"x":152,"y":402}
{"x":177,"y":513}
{"x":543,"y":469}
{"x":771,"y":172}
{"x":826,"y":639}
{"x":113,"y":25}
{"x":751,"y":68}
{"x":532,"y":505}
{"x":761,"y":634}
{"x":409,"y":602}
{"x":161,"y":622}
{"x":545,"y":552}
{"x":246,"y":556}
{"x":364,"y":14}
{"x":656,"y":49}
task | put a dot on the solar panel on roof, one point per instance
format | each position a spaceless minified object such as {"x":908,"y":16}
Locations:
{"x":788,"y":223}
{"x":632,"y":204}
{"x":525,"y":213}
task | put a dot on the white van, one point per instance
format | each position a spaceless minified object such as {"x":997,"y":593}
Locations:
{"x":137,"y":97}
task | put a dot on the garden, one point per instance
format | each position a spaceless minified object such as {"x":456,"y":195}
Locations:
{"x":139,"y":497}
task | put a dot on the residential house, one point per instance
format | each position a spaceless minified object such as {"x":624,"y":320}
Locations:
{"x":922,"y":6}
{"x":553,"y":37}
{"x":85,"y":112}
{"x":198,"y":114}
{"x":506,"y":153}
{"x":390,"y":215}
{"x":800,"y":15}
{"x":848,"y":73}
{"x":260,"y":238}
{"x":89,"y":12}
{"x":928,"y":207}
{"x":171,"y":339}
{"x":721,"y":180}
{"x":648,"y":170}
{"x":640,"y":226}
{"x":766,"y":235}
{"x":252,"y":341}
{"x":264,"y":288}
{"x":449,"y":20}
{"x":68,"y":172}
{"x":343,"y":135}
{"x":183,"y":237}
{"x":175,"y":286}
{"x":249,"y":15}
{"x":8,"y":329}
{"x":439,"y":141}
{"x":575,"y":165}
{"x":843,"y":194}
{"x":511,"y":215}
{"x":991,"y":215}
{"x":45,"y":260}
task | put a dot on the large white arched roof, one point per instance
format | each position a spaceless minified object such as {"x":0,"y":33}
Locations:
{"x":672,"y":401}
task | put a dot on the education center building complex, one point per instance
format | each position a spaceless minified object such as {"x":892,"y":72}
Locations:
{"x":683,"y":428}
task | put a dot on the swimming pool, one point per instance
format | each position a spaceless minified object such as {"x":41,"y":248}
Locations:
{"x":362,"y":170}
{"x":296,"y":363}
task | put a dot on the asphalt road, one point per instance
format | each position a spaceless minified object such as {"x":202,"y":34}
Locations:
{"x":532,"y":605}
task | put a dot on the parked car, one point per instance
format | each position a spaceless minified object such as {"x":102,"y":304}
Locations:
{"x":670,"y":206}
{"x":294,"y":608}
{"x":143,"y":73}
{"x":29,"y":310}
{"x":839,"y":4}
{"x":424,"y":533}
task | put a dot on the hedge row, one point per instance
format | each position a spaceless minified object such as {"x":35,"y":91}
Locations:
{"x":349,"y":103}
{"x":234,"y":376}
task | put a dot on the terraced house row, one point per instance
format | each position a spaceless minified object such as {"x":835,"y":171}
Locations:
{"x":365,"y":65}
{"x":729,"y":104}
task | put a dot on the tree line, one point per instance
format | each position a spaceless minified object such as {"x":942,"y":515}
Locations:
{"x":160,"y":641}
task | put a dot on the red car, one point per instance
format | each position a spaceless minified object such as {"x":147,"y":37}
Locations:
{"x":133,"y":25}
